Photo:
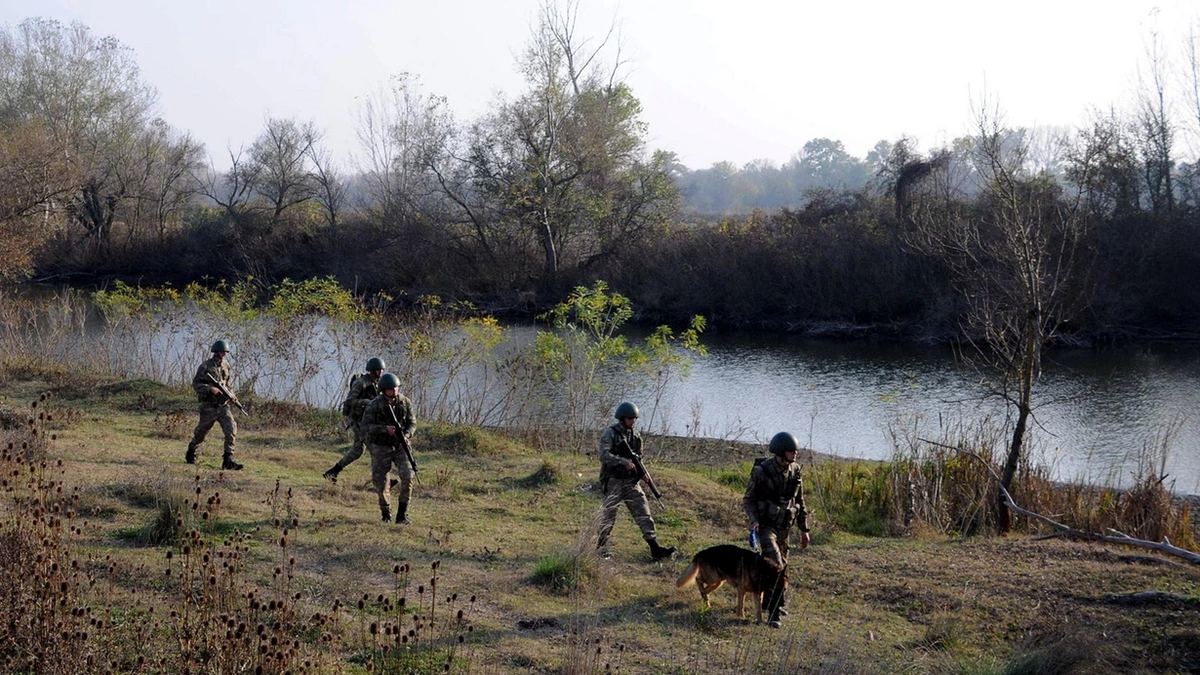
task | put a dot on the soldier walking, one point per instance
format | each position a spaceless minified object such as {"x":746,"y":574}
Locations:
{"x":388,"y":423}
{"x":620,"y":482}
{"x":214,"y":405}
{"x":774,"y":501}
{"x":363,"y":389}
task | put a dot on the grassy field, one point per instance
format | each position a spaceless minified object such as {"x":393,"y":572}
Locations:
{"x":303,"y":571}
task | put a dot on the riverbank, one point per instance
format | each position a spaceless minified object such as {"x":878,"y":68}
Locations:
{"x":494,"y":518}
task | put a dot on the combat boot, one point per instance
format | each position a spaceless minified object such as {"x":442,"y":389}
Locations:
{"x":332,"y":473}
{"x":387,"y":513}
{"x":227,"y":464}
{"x":659,"y":552}
{"x":402,"y":514}
{"x":190,"y":456}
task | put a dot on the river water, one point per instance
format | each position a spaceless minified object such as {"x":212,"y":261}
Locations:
{"x":1099,"y":414}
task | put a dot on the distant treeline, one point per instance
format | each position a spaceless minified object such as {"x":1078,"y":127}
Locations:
{"x":555,"y":188}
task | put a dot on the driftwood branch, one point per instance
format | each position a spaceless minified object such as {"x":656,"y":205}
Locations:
{"x":1164,"y":546}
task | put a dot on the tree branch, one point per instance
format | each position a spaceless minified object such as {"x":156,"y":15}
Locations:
{"x":1164,"y":546}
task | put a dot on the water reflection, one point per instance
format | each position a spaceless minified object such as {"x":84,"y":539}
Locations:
{"x":1098,"y":412}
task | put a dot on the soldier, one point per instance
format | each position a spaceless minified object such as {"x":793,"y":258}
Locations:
{"x":363,"y":389}
{"x":620,"y":482}
{"x":214,"y":405}
{"x":774,"y":500}
{"x":386,"y":423}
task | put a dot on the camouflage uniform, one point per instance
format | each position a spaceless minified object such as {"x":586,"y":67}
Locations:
{"x":774,"y":500}
{"x":386,"y":452}
{"x":620,"y":484}
{"x":363,"y":389}
{"x":214,"y":408}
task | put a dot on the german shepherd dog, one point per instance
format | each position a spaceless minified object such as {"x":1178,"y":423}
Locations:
{"x":745,"y":570}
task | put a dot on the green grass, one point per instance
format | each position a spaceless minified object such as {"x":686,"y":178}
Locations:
{"x":515,"y":526}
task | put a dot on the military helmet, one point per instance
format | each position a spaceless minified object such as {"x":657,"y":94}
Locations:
{"x":220,"y":346}
{"x":626,"y":409}
{"x":376,"y":363}
{"x":783,"y":442}
{"x":388,"y":381}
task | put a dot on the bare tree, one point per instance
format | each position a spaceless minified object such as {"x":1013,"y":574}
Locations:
{"x":406,"y":137}
{"x":1012,"y":255}
{"x":279,"y":160}
{"x":1102,"y":163}
{"x":1157,"y":133}
{"x":172,"y":184}
{"x":158,"y":174}
{"x":232,"y":190}
{"x":329,"y":186}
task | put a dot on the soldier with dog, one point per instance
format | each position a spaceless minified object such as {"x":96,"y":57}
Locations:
{"x":774,"y":502}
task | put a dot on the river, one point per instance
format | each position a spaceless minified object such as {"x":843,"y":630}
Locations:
{"x":1101,"y":415}
{"x":1098,"y":413}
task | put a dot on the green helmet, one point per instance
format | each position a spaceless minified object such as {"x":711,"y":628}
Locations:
{"x":220,"y":346}
{"x":376,"y":363}
{"x":783,"y":442}
{"x":626,"y":409}
{"x":388,"y":381}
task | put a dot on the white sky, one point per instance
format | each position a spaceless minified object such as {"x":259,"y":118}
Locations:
{"x":718,"y":80}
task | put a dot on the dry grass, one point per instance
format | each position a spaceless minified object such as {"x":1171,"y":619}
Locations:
{"x":275,"y":568}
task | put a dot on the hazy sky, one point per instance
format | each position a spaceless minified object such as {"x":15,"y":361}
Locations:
{"x":718,"y":80}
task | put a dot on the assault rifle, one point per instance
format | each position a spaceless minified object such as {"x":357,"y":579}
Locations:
{"x":642,"y":472}
{"x":403,"y":442}
{"x":228,"y":394}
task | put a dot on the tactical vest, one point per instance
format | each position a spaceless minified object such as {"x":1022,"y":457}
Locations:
{"x":776,"y":497}
{"x":618,"y":448}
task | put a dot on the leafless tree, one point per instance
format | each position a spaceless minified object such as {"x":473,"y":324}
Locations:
{"x":404,"y":135}
{"x":1102,"y":163}
{"x":565,"y":161}
{"x":158,"y":174}
{"x":232,"y":190}
{"x":329,"y":185}
{"x":1012,"y":254}
{"x":1157,"y":132}
{"x":279,"y":160}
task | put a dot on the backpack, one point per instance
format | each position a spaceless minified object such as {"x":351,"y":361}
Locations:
{"x":348,"y":404}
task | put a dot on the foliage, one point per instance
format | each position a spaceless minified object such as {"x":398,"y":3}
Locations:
{"x":587,"y":338}
{"x":563,"y":166}
{"x":33,"y":173}
{"x":851,"y":496}
{"x":324,"y":297}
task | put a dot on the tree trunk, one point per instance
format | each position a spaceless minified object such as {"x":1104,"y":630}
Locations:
{"x":1025,"y":375}
{"x":548,"y":244}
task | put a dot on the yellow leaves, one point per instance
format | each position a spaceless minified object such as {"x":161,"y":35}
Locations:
{"x":237,"y":302}
{"x":124,"y":301}
{"x":322,"y":296}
